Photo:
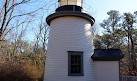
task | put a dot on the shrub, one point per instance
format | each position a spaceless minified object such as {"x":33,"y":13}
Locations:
{"x":10,"y":71}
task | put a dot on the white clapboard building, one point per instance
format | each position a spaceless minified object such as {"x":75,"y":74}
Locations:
{"x":70,"y":54}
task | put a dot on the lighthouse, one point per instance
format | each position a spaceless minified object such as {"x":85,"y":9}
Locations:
{"x":70,"y":44}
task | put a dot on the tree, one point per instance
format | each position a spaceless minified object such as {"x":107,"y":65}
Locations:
{"x":7,"y":15}
{"x":13,"y":26}
{"x":10,"y":12}
{"x":111,"y":24}
{"x":103,"y":42}
{"x":128,"y":26}
{"x":112,"y":37}
{"x":120,"y":32}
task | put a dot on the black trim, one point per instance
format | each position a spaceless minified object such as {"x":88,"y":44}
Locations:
{"x":105,"y":59}
{"x":70,"y":13}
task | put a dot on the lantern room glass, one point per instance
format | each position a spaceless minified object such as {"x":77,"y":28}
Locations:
{"x":71,"y":2}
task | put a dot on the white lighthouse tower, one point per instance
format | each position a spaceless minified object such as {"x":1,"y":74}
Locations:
{"x":70,"y":45}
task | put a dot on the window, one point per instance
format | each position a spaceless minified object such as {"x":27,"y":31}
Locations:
{"x":75,"y":63}
{"x":71,"y":2}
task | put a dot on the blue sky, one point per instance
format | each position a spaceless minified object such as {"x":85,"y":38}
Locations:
{"x":98,"y":9}
{"x":101,"y":7}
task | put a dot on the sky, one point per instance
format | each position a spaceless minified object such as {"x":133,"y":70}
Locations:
{"x":98,"y":9}
{"x":101,"y":7}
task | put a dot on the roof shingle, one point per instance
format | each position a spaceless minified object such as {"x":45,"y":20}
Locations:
{"x":107,"y":55}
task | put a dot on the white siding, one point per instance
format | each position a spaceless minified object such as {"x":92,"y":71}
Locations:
{"x":68,"y":34}
{"x":106,"y":70}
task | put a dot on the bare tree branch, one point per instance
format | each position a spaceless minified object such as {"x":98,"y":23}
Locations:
{"x":16,"y":4}
{"x":5,"y":15}
{"x":9,"y":10}
{"x":9,"y":18}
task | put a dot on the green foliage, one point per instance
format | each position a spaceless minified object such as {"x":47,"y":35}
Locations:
{"x":103,"y":42}
{"x":120,"y":31}
{"x":111,"y":24}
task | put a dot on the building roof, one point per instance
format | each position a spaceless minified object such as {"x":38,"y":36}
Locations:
{"x":107,"y":55}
